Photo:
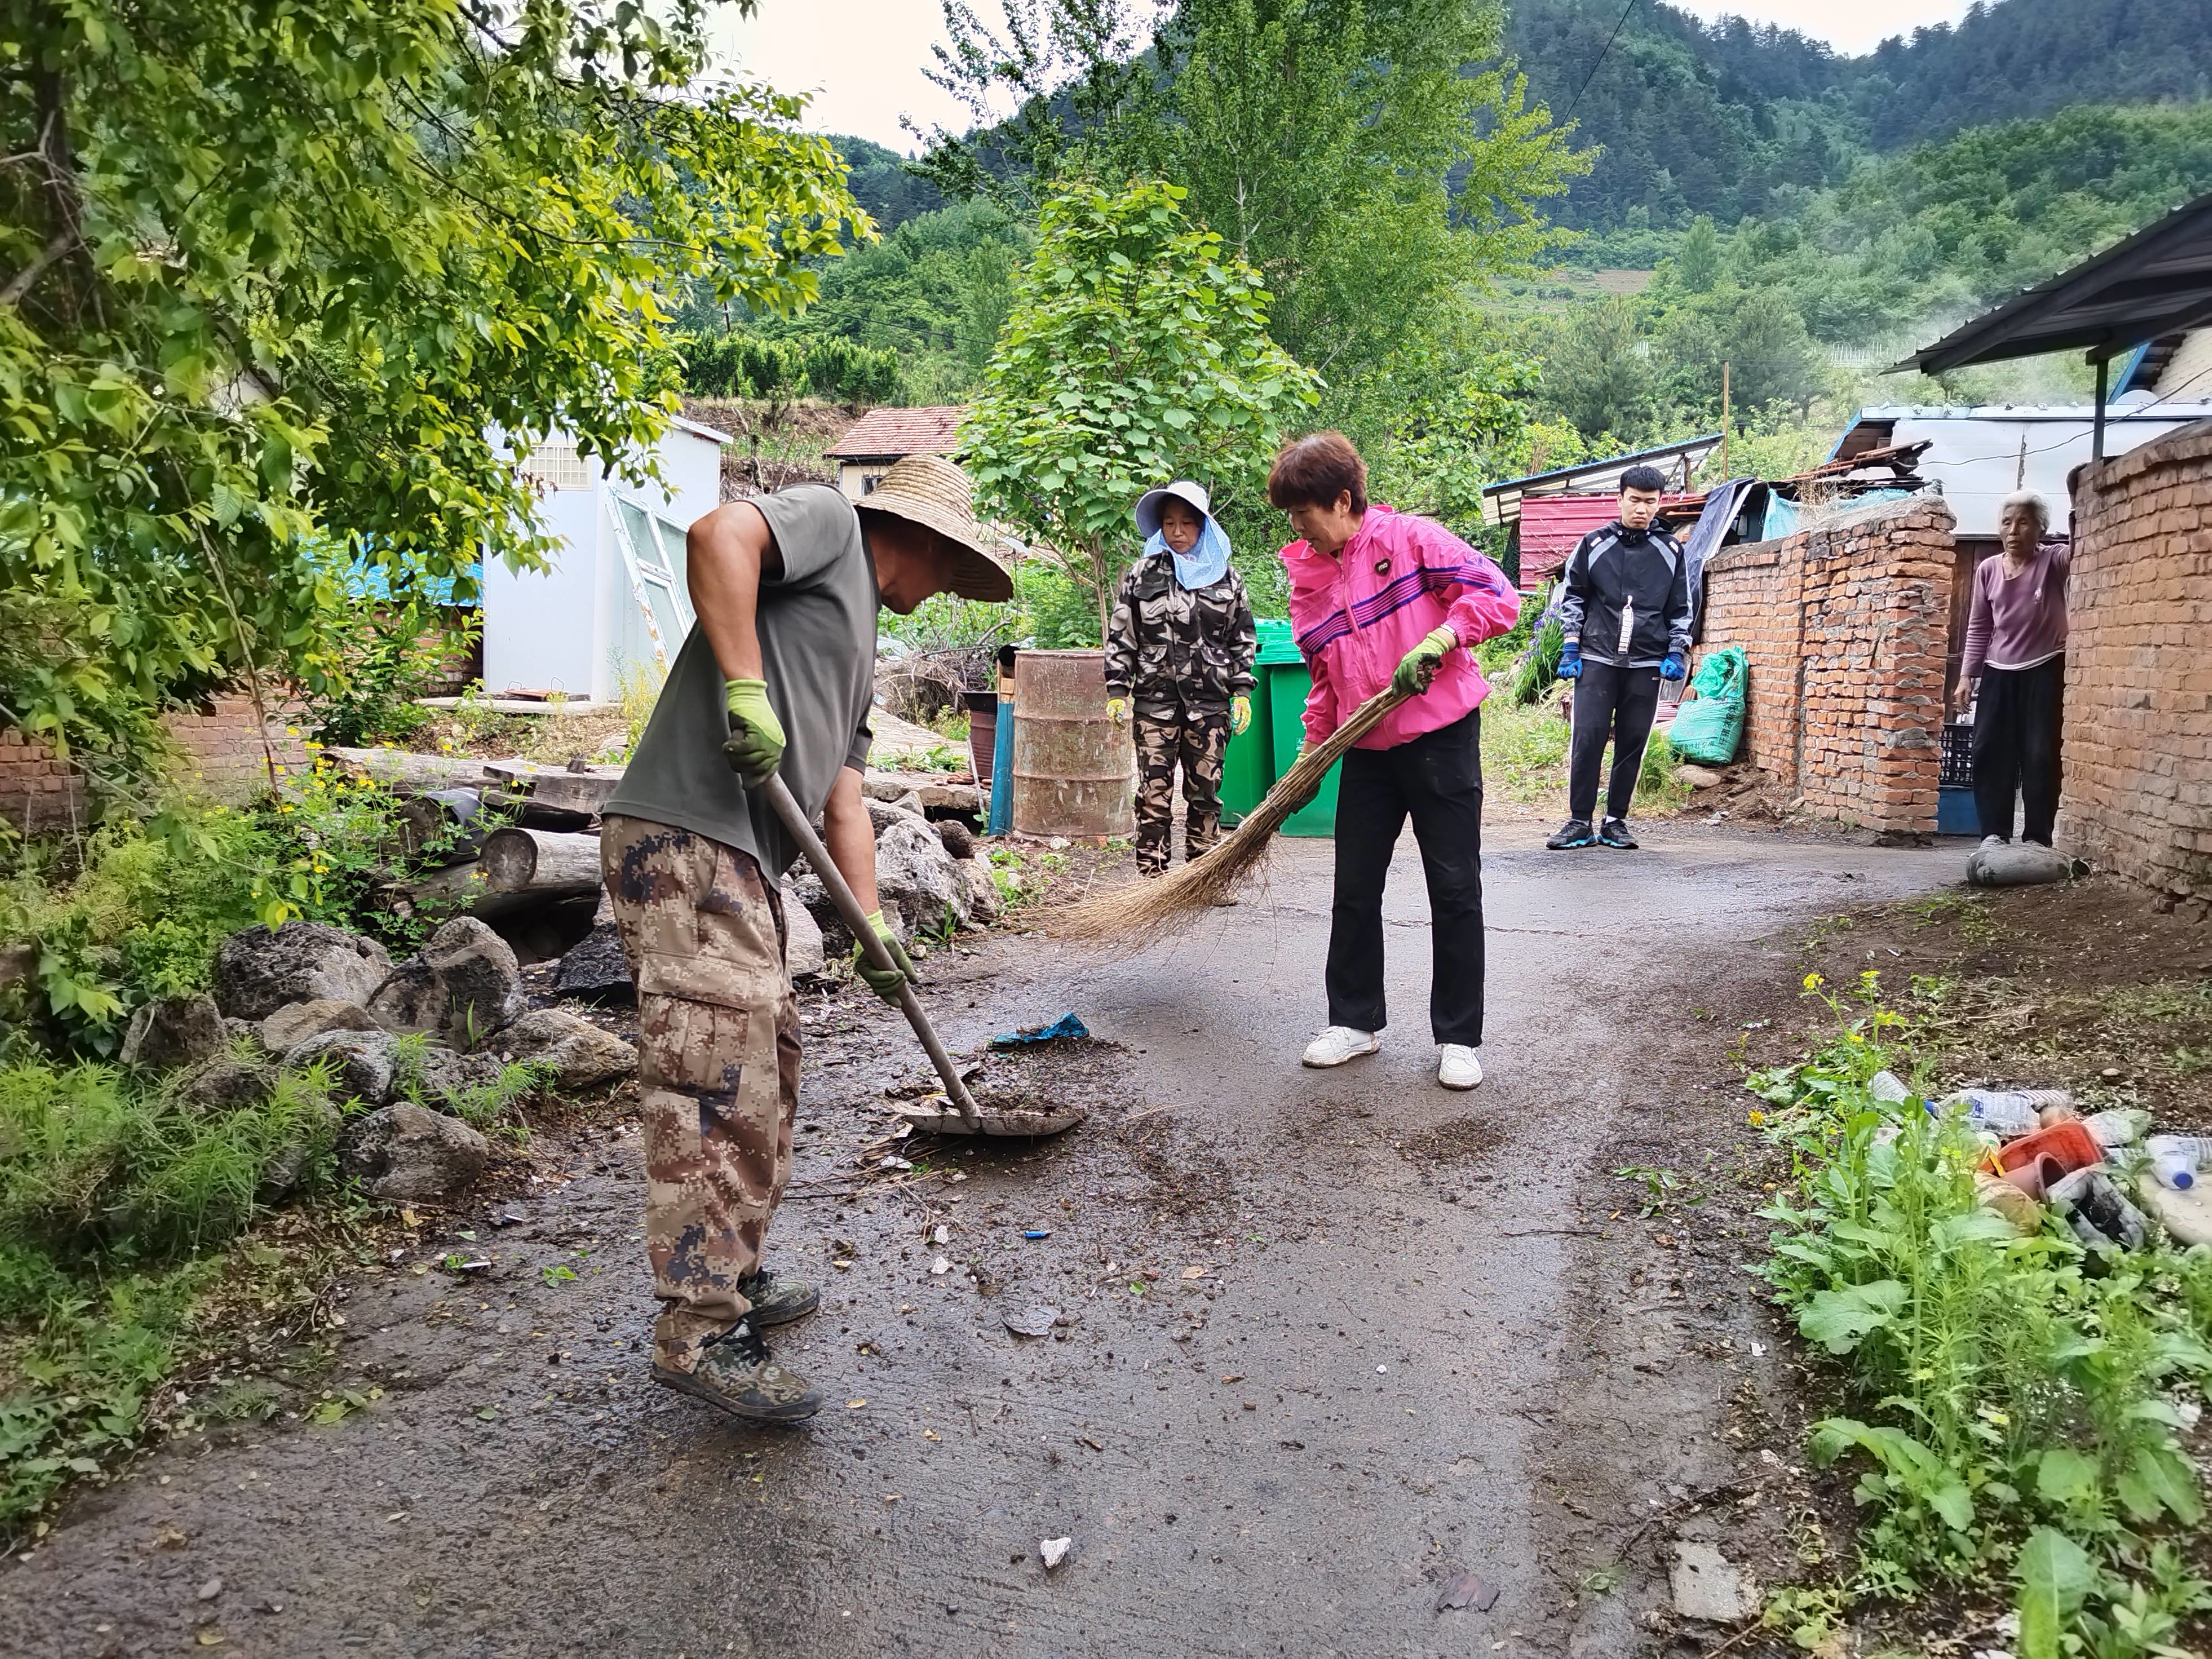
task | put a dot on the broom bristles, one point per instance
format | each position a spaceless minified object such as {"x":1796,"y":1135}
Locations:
{"x":1148,"y":911}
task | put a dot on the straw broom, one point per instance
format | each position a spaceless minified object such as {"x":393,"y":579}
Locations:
{"x":1149,"y":911}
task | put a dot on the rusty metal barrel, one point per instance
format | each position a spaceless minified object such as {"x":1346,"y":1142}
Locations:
{"x":1075,"y":772}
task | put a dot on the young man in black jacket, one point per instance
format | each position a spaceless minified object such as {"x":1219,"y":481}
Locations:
{"x":1625,"y":614}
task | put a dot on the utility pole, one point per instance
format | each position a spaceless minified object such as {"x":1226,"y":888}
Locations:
{"x":1724,"y":420}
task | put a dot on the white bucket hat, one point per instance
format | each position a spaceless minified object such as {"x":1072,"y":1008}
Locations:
{"x":1149,"y":504}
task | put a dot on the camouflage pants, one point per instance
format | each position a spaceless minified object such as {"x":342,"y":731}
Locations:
{"x":718,"y":1065}
{"x":1197,"y":739}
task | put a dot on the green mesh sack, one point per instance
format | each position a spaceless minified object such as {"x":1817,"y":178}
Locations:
{"x":1708,"y":728}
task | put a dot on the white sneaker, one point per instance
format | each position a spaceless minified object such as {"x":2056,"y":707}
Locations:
{"x":1337,"y":1044}
{"x":1457,"y":1067}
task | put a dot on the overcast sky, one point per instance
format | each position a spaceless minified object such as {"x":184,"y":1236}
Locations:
{"x":863,"y":59}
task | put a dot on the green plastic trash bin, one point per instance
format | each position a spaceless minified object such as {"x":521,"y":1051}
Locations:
{"x":1248,"y":770}
{"x":1283,"y":672}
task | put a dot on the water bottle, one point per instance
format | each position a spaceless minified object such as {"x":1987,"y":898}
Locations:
{"x":2004,"y":1113}
{"x":1885,"y":1086}
{"x":2175,"y":1159}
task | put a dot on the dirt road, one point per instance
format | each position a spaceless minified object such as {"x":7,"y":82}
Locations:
{"x":1327,"y":1339}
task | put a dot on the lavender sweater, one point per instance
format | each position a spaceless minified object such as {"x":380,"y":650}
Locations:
{"x":2019,"y":622}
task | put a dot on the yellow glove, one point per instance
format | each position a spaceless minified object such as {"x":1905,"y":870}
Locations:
{"x":1240,"y":715}
{"x":754,"y":746}
{"x":1117,"y":710}
{"x":883,"y":982}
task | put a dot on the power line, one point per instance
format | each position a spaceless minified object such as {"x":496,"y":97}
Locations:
{"x":1592,"y":76}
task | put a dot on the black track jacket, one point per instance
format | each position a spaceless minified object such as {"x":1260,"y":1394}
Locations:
{"x":1640,"y":576}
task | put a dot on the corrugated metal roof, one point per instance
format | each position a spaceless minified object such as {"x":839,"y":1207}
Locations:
{"x":886,"y":433}
{"x":1501,"y":502}
{"x":1552,"y":525}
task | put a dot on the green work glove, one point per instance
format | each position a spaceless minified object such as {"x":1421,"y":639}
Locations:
{"x":1240,"y":715}
{"x":1117,"y":710}
{"x":754,"y":746}
{"x":1420,"y":666}
{"x":884,"y":981}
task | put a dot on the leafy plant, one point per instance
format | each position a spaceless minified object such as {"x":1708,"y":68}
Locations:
{"x":1137,"y":350}
{"x":388,"y":657}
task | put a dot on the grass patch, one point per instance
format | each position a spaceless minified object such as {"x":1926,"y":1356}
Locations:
{"x":2016,"y":1408}
{"x":118,"y":1208}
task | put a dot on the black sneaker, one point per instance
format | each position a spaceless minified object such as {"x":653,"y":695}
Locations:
{"x":737,"y":1373}
{"x":777,"y":1301}
{"x":1615,"y":834}
{"x":1575,"y":832}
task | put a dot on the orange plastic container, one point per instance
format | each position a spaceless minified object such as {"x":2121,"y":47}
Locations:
{"x":2033,"y":1160}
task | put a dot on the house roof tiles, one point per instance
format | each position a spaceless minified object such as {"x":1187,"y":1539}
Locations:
{"x":889,"y":433}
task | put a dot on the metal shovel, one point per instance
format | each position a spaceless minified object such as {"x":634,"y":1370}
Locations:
{"x":969,"y":1120}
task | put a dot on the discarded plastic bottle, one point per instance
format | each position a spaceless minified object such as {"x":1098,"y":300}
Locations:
{"x":1885,"y":1086}
{"x":2175,"y":1159}
{"x":2121,"y":1125}
{"x":2005,"y":1113}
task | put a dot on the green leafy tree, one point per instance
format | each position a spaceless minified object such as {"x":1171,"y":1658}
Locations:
{"x":1698,"y":263}
{"x":1137,"y":351}
{"x":1600,"y":373}
{"x":288,"y":285}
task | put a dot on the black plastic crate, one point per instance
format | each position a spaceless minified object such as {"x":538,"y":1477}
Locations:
{"x":1957,"y":765}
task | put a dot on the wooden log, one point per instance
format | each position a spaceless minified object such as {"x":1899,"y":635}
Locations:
{"x":441,"y":827}
{"x":397,"y":770}
{"x":558,"y":787}
{"x":540,"y":862}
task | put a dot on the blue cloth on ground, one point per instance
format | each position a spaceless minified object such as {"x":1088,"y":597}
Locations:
{"x":1066,"y":1028}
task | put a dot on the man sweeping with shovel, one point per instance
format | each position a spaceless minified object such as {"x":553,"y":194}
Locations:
{"x":775,"y":680}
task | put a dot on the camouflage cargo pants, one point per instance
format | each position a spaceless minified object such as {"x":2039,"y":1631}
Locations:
{"x":718,"y":1065}
{"x":1197,"y":739}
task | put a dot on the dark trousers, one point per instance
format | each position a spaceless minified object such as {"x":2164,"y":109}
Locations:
{"x":1436,"y":781}
{"x":1616,"y":702}
{"x":2016,"y":720}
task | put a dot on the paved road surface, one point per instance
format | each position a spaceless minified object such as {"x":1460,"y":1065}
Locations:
{"x":1397,"y":1356}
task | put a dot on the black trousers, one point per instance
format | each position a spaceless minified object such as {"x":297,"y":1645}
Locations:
{"x":1616,"y":702}
{"x":2017,"y":717}
{"x":1436,"y":781}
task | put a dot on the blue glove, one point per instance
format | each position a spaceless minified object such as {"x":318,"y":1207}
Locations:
{"x":1570,"y":660}
{"x":1674,"y":668}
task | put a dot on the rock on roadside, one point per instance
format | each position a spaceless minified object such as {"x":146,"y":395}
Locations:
{"x":257,"y":972}
{"x":914,"y":873}
{"x":465,"y":982}
{"x":174,"y":1031}
{"x":295,"y":1022}
{"x":225,"y":1084}
{"x":406,"y":1152}
{"x":359,"y":1062}
{"x":804,"y":953}
{"x":581,"y":1055}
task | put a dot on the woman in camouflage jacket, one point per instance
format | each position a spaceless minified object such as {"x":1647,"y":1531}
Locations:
{"x":1180,"y":648}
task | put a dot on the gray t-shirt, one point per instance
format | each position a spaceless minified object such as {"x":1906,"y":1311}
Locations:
{"x":818,"y":634}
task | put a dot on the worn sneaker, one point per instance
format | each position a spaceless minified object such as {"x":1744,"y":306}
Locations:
{"x":1575,"y":832}
{"x":737,"y":1375}
{"x":1457,"y":1067}
{"x":777,"y":1301}
{"x":1337,"y":1044}
{"x":1615,"y":833}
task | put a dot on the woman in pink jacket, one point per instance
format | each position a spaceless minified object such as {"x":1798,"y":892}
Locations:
{"x":1378,"y":597}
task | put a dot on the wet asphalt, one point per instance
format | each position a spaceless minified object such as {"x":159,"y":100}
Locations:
{"x":1316,"y":1329}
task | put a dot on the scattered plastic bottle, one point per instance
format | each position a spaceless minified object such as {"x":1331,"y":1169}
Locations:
{"x":1884,"y":1085}
{"x":2175,"y":1159}
{"x":2007,"y":1112}
{"x":2122,"y":1126}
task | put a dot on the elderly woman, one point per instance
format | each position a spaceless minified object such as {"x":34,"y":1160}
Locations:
{"x":2016,"y":648}
{"x":1378,"y":598}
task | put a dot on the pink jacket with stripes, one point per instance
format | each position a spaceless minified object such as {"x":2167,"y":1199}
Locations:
{"x":1356,"y":614}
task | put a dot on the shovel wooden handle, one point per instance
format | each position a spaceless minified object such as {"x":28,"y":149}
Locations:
{"x":848,"y":906}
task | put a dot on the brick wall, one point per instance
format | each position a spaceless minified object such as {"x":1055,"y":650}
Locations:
{"x":1846,"y":627}
{"x":219,"y":754}
{"x":2137,"y":746}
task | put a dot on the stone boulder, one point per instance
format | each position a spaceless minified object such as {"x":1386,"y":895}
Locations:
{"x":959,"y":840}
{"x":174,"y":1031}
{"x":804,"y":953}
{"x":406,"y":1152}
{"x":295,"y":1022}
{"x":227,"y":1084}
{"x":881,"y":814}
{"x":2016,"y":864}
{"x":360,"y":1063}
{"x":257,"y":972}
{"x":442,"y":1075}
{"x":580,"y":1054}
{"x":466,"y":984}
{"x":918,"y":877}
{"x":595,"y":968}
{"x":986,"y":904}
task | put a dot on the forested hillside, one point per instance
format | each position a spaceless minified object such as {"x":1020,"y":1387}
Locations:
{"x":1716,"y":118}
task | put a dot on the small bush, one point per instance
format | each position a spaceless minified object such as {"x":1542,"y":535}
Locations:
{"x":392,"y":655}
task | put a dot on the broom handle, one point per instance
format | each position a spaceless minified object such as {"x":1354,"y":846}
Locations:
{"x":849,"y":908}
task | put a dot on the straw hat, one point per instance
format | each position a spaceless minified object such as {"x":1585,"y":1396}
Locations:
{"x":931,"y":492}
{"x":1182,"y":489}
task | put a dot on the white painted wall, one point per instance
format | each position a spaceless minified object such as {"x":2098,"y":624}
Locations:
{"x":573,"y":626}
